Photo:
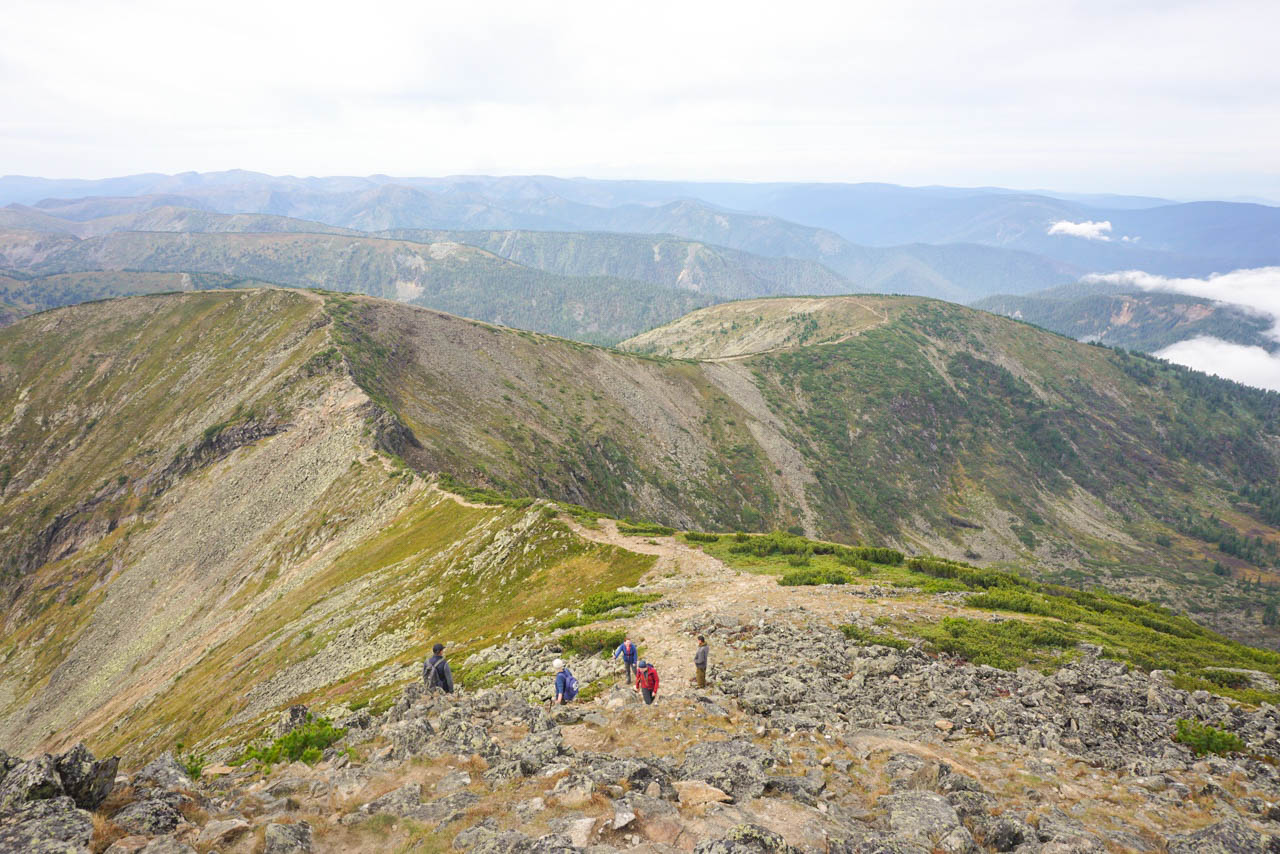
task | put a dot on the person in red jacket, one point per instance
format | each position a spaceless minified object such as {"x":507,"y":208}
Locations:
{"x":647,"y":682}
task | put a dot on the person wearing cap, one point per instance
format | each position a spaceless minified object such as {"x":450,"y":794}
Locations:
{"x":647,"y":682}
{"x":563,"y":688}
{"x":436,"y":672}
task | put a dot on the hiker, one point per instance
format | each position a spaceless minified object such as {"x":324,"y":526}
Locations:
{"x":566,"y":683}
{"x":436,"y":672}
{"x":647,"y":682}
{"x":629,"y":654}
{"x":700,"y":661}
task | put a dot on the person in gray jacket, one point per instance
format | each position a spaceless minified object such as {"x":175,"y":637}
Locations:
{"x":436,"y":672}
{"x":700,"y":661}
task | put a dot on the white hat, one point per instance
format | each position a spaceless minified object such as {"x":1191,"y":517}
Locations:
{"x":558,"y":663}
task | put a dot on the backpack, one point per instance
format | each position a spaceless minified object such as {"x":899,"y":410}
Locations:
{"x":433,"y":677}
{"x":570,"y":685}
{"x":649,"y":679}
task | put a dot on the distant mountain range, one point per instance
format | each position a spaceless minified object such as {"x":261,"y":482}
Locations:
{"x":616,"y":257}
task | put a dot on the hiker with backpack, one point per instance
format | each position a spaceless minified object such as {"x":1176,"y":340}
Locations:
{"x":627,"y":650}
{"x":566,"y":683}
{"x":435,"y":671}
{"x":700,"y":661}
{"x":647,"y":682}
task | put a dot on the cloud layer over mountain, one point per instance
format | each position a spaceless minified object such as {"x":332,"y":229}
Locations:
{"x":1257,"y":290}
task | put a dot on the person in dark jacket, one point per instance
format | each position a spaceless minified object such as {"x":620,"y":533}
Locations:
{"x":630,"y":655}
{"x":700,"y":661}
{"x":436,"y":672}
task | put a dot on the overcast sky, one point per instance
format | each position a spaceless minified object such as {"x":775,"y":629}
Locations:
{"x":1178,"y":99}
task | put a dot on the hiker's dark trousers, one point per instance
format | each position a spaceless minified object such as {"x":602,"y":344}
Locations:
{"x":702,"y":677}
{"x":631,"y":672}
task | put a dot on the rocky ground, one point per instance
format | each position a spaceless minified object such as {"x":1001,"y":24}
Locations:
{"x":803,"y":741}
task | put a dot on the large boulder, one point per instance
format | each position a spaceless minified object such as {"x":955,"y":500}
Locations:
{"x":1231,"y":836}
{"x":34,"y":780}
{"x":7,"y":762}
{"x":536,"y":750}
{"x":50,"y":826}
{"x":409,"y":737}
{"x":920,"y":817}
{"x":86,"y":779}
{"x":736,"y":767}
{"x":163,"y":772}
{"x":290,"y":719}
{"x":287,"y":839}
{"x":746,"y":839}
{"x":150,"y":817}
{"x":397,"y":802}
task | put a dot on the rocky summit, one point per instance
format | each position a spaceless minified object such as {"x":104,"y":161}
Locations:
{"x":807,"y":738}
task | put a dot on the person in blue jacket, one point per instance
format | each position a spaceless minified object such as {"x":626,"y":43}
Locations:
{"x":630,"y":655}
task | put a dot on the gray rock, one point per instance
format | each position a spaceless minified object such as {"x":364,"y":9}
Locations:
{"x":452,"y":782}
{"x":921,"y":817}
{"x":636,"y":774}
{"x":166,"y":845}
{"x":536,"y":750}
{"x":746,"y":839}
{"x":409,"y":737}
{"x":443,"y":810}
{"x":398,"y":802}
{"x":163,"y":772}
{"x":735,"y":767}
{"x":1231,"y":836}
{"x":151,"y":817}
{"x":49,"y":826}
{"x":34,"y":780}
{"x":219,"y":832}
{"x":1006,"y":833}
{"x":290,"y":719}
{"x":85,"y":779}
{"x":287,"y":839}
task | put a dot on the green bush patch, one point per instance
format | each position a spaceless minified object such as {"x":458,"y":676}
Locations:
{"x":870,"y":638}
{"x":1203,"y":738}
{"x":306,"y":743}
{"x":592,"y":641}
{"x":601,"y":603}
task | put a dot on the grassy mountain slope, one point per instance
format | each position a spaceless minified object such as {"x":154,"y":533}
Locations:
{"x":1141,"y":320}
{"x":448,"y":276}
{"x":239,"y":472}
{"x":659,"y":260}
{"x":40,"y":293}
{"x":200,"y":524}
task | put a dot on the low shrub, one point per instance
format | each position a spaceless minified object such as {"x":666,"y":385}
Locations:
{"x":870,"y":638}
{"x":700,"y":537}
{"x":1007,"y":645}
{"x":599,"y":603}
{"x":592,"y":641}
{"x":634,"y":529}
{"x":306,"y":743}
{"x":1203,"y":738}
{"x":813,"y":575}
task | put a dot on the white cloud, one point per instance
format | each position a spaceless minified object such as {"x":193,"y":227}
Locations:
{"x":1249,"y":365}
{"x":1256,"y":289}
{"x":1088,"y":229}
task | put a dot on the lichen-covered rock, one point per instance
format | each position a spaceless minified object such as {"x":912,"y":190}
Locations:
{"x":48,"y":826}
{"x":34,"y":780}
{"x":86,"y":779}
{"x":1231,"y":836}
{"x":290,"y":719}
{"x":397,"y":802}
{"x":443,"y":810}
{"x":636,"y":774}
{"x":922,"y":817}
{"x":163,"y":772}
{"x":409,"y":737}
{"x":735,"y":766}
{"x":746,"y":839}
{"x":225,"y":830}
{"x":7,"y":762}
{"x":287,"y":838}
{"x":536,"y":750}
{"x":150,"y":817}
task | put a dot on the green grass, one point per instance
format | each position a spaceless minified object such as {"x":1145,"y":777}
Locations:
{"x":601,"y":603}
{"x":870,"y":638}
